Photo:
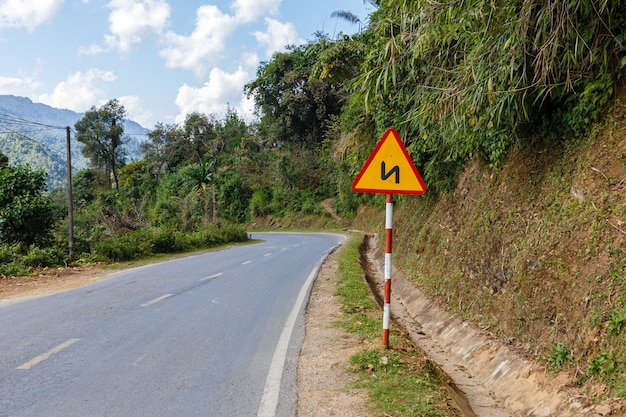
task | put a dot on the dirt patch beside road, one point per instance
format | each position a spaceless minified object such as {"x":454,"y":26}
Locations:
{"x":323,"y":380}
{"x":49,"y":281}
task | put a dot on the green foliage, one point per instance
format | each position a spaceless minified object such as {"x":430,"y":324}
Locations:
{"x":466,"y":79}
{"x":361,"y":310}
{"x":234,"y":198}
{"x":101,"y":130}
{"x":604,"y":365}
{"x":166,"y":148}
{"x":147,"y":242}
{"x":19,"y":260}
{"x":26,"y":214}
{"x":44,"y":257}
{"x":294,"y":106}
{"x":376,"y":361}
{"x":559,"y":356}
{"x":83,"y":187}
{"x":616,"y":322}
{"x":260,"y":203}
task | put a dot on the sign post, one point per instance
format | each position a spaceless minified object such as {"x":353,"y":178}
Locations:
{"x":389,"y":170}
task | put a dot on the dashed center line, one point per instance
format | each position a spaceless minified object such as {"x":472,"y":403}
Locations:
{"x":46,"y":355}
{"x":246,"y":262}
{"x":213,"y":276}
{"x":268,"y":254}
{"x":156,"y":300}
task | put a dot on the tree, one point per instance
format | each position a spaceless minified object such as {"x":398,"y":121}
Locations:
{"x":200,"y":132}
{"x":295,"y":107}
{"x":83,"y":187}
{"x":26,"y":214}
{"x":201,"y":177}
{"x":4,"y":160}
{"x":233,"y":130}
{"x":102,"y":130}
{"x":166,"y":148}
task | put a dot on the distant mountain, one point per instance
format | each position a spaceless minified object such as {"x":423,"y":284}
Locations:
{"x":35,"y":134}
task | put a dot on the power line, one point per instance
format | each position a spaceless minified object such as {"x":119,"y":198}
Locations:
{"x":9,"y":130}
{"x":18,"y":120}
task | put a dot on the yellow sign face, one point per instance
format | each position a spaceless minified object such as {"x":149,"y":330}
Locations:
{"x":389,"y":169}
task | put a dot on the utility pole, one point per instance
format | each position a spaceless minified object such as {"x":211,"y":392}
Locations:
{"x":70,"y":207}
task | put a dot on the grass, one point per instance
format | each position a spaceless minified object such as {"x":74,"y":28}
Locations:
{"x":401,"y":381}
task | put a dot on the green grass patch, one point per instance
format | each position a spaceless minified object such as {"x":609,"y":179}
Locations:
{"x":401,"y":381}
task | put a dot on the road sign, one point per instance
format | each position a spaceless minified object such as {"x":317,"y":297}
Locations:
{"x":389,"y":169}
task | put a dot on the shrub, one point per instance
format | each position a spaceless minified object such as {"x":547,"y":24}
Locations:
{"x":44,"y":257}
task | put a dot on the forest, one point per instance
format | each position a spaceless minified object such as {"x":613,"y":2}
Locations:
{"x":461,"y":81}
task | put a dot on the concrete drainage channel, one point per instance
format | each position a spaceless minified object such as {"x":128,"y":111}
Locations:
{"x":489,"y":380}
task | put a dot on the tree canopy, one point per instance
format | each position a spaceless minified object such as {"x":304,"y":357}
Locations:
{"x":294,"y":107}
{"x":26,"y":214}
{"x":102,"y":132}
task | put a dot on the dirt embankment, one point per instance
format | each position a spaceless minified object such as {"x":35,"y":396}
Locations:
{"x":495,"y":379}
{"x":531,"y":255}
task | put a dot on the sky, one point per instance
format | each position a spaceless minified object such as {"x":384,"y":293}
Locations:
{"x":161,"y":59}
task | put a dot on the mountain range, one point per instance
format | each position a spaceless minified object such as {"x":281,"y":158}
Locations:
{"x":36,"y":134}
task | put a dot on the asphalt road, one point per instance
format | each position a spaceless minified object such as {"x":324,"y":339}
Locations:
{"x":216,"y":334}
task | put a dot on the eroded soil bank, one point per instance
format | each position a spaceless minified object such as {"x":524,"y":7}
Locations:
{"x":495,"y":379}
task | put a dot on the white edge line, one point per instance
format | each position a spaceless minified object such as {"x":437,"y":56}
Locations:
{"x":271,"y":392}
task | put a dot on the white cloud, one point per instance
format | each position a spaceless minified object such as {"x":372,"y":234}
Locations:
{"x":214,"y":97}
{"x":203,"y":46}
{"x":91,"y":50}
{"x":278,"y":36}
{"x":133,"y":22}
{"x":18,"y":86}
{"x":135,"y":110}
{"x":250,"y":60}
{"x":250,"y":10}
{"x":80,"y":91}
{"x":29,"y":14}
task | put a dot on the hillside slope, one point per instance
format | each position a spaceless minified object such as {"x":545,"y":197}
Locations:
{"x":534,"y":252}
{"x":34,"y":133}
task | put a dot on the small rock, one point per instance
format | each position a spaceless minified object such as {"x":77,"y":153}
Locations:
{"x":603,"y":410}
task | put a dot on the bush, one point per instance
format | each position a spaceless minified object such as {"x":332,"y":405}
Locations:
{"x":165,"y":241}
{"x":142,"y":243}
{"x":16,"y":260}
{"x":44,"y":257}
{"x":260,"y":203}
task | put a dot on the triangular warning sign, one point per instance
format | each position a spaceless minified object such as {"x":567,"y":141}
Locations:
{"x":389,"y":169}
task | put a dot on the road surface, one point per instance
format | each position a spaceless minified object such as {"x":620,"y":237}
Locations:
{"x":216,"y":334}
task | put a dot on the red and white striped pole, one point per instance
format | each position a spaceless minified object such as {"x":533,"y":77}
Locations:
{"x":388,"y":245}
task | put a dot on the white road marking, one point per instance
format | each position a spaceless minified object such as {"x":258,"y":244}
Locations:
{"x":246,"y":262}
{"x":268,"y":254}
{"x":212,"y":276}
{"x":46,"y":355}
{"x":156,"y":300}
{"x":269,"y":400}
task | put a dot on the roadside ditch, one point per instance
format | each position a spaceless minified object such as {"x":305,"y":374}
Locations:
{"x":489,"y":379}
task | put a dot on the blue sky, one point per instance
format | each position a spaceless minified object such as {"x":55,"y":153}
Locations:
{"x":161,"y":58}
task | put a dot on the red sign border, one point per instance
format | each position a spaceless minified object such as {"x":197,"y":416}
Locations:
{"x":394,"y":133}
